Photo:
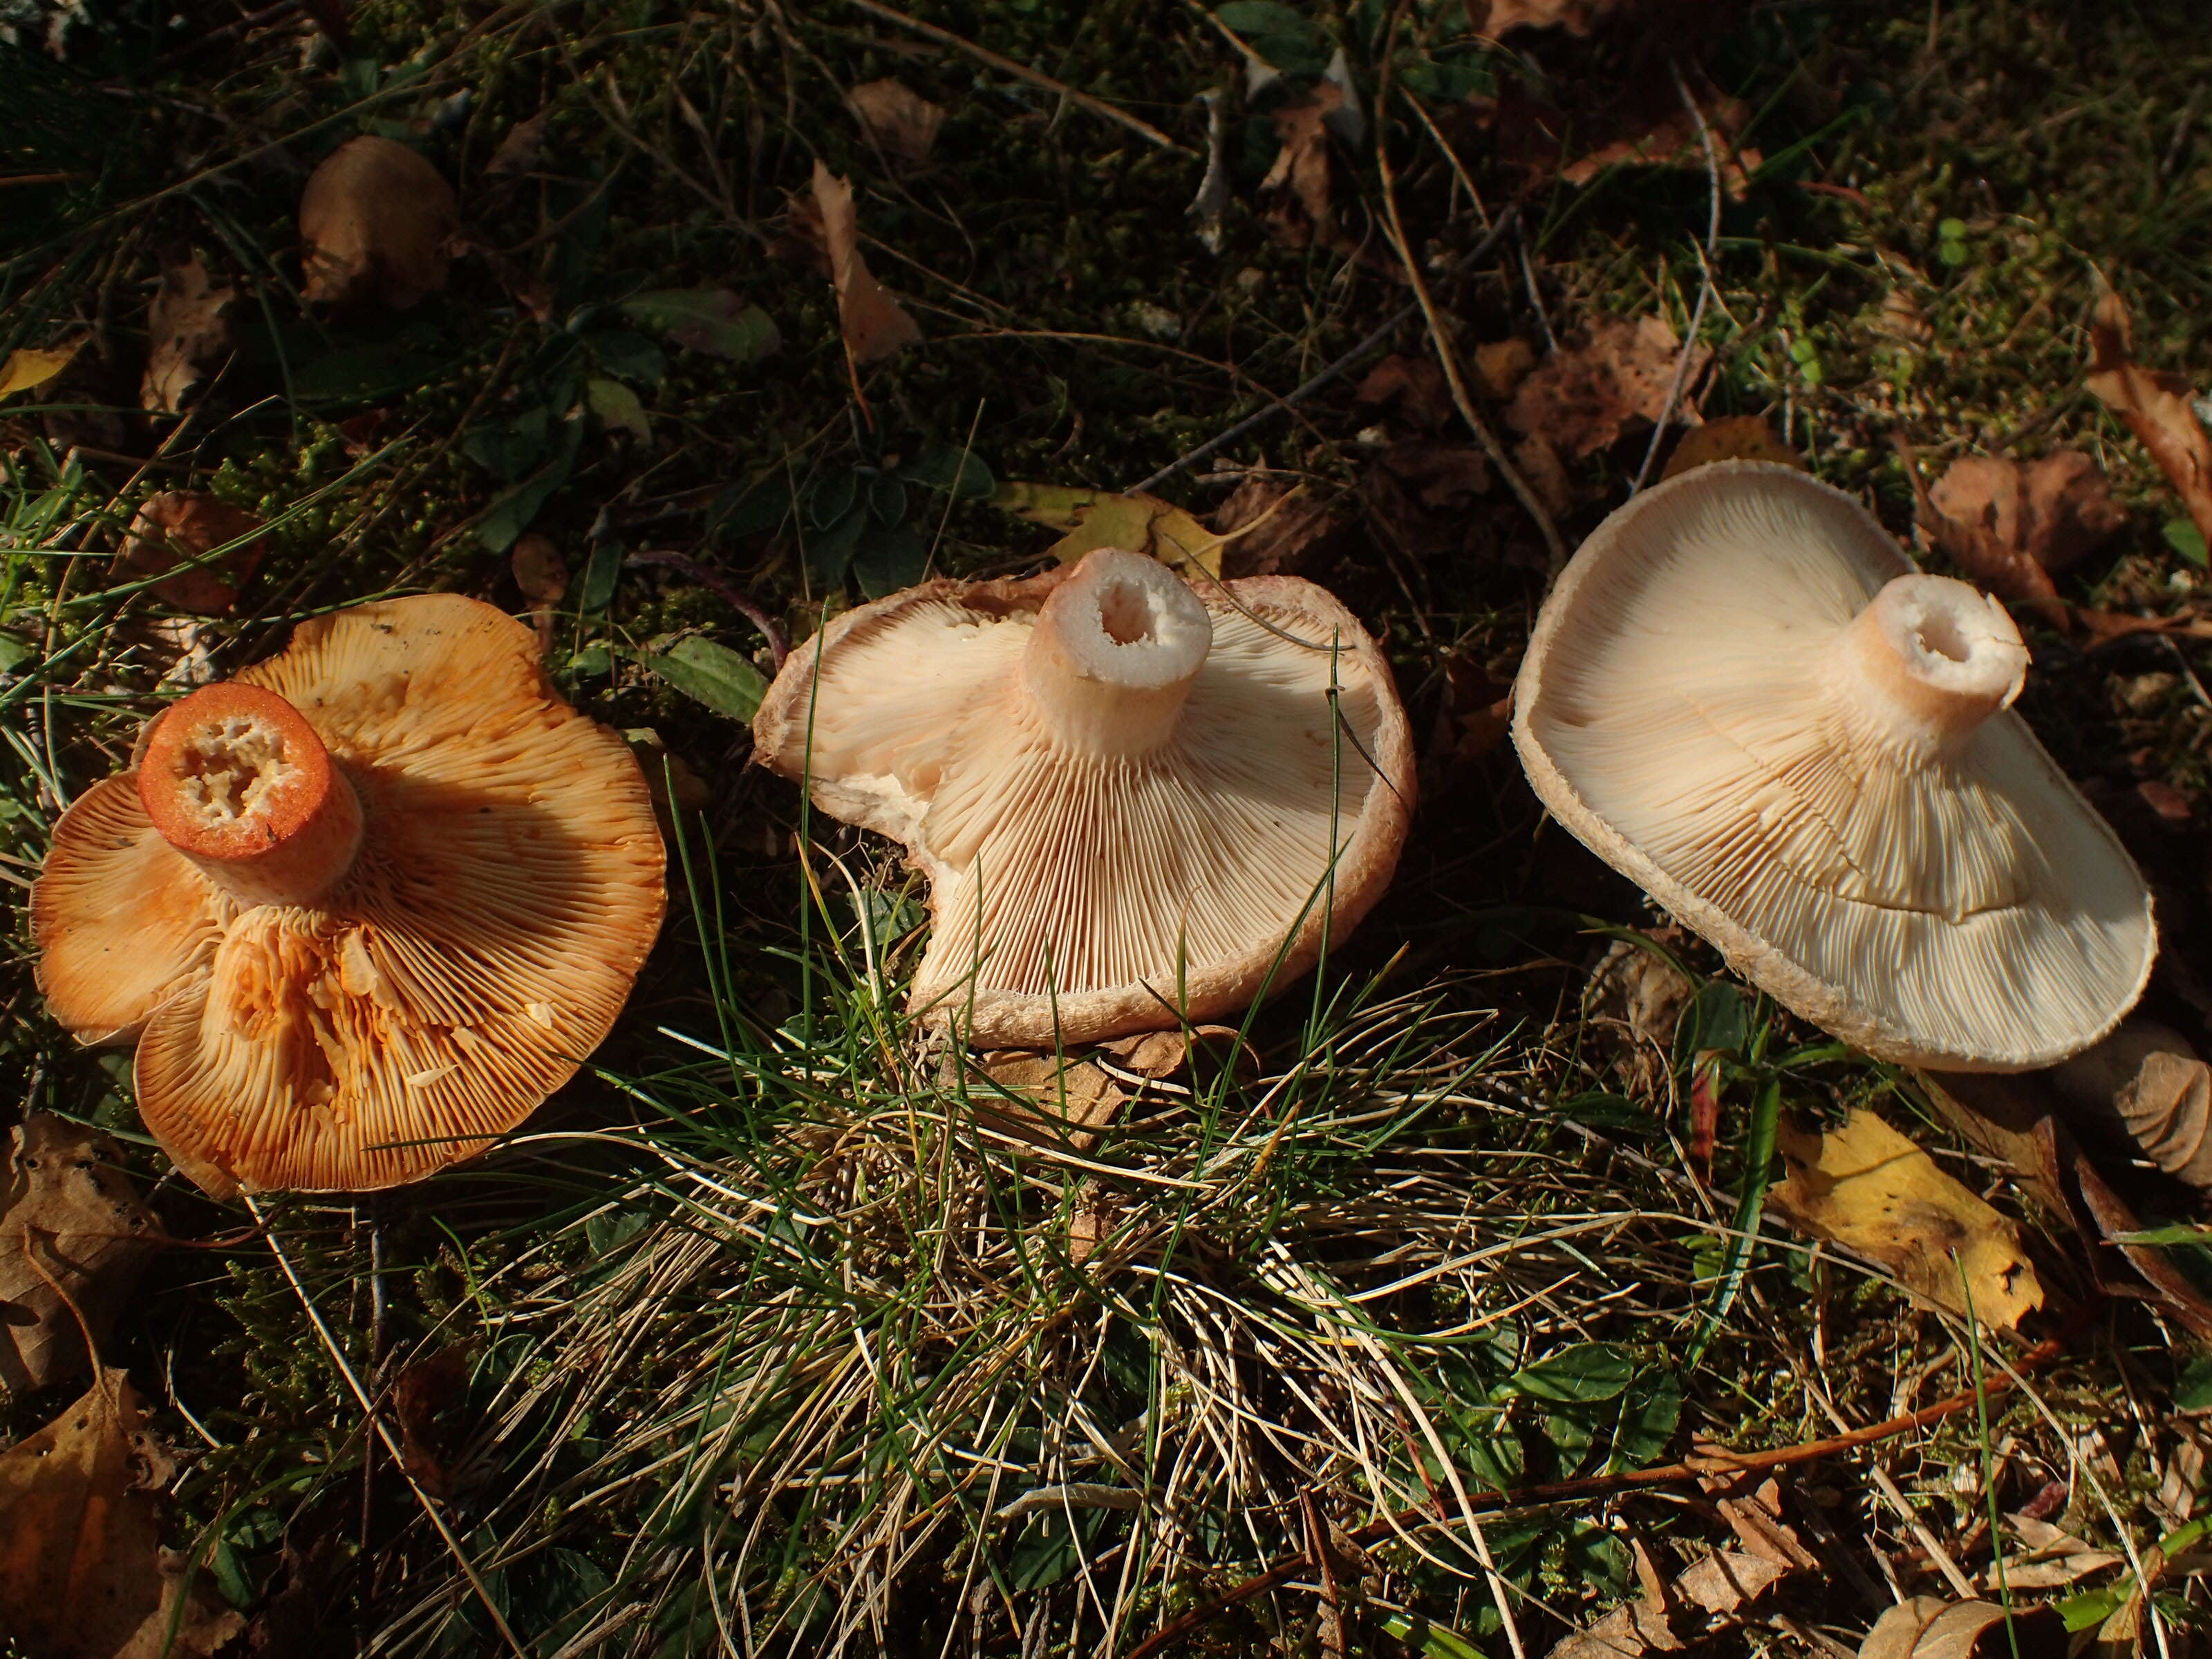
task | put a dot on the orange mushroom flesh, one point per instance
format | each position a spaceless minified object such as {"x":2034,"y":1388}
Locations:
{"x":362,"y":909}
{"x":236,"y":779}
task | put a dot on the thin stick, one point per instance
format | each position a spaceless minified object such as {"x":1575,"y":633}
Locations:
{"x":1607,"y":1486}
{"x":1097,"y":106}
{"x":383,"y":1433}
{"x":1704,"y":284}
{"x":1447,"y":354}
{"x":1372,"y":343}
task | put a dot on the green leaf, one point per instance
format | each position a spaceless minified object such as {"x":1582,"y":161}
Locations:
{"x":2180,"y":1233}
{"x":755,"y":507}
{"x":2081,"y":1611}
{"x":620,"y":352}
{"x":2192,"y":1389}
{"x":889,"y":560}
{"x":363,"y":374}
{"x":618,"y":408}
{"x":14,"y":653}
{"x":510,"y":514}
{"x":956,"y":472}
{"x":1586,"y":1371}
{"x":712,"y":674}
{"x":602,"y":575}
{"x":1438,"y":1643}
{"x":2186,"y":539}
{"x":886,"y":500}
{"x":592,"y":662}
{"x":1718,"y":1017}
{"x":1606,"y":1112}
{"x":709,"y":320}
{"x":1499,"y":1459}
{"x":829,"y":552}
{"x":830,"y":495}
{"x":1650,"y":1411}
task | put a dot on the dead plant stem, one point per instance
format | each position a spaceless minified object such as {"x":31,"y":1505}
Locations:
{"x":1607,"y":1486}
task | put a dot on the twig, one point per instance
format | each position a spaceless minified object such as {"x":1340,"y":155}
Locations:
{"x":738,"y":598}
{"x":1447,"y":354}
{"x":390,"y":1443}
{"x":1704,"y":284}
{"x":1097,"y":106}
{"x":1607,"y":1486}
{"x":1373,"y":341}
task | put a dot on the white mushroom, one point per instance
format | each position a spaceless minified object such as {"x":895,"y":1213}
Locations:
{"x":1136,"y":804}
{"x":1741,"y":695}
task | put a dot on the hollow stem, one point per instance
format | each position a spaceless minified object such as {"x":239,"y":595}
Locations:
{"x":1114,"y":653}
{"x":236,"y":779}
{"x":1927,"y":661}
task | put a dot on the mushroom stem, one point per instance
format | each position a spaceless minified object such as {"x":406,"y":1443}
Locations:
{"x":1113,"y":654}
{"x":1927,"y":661}
{"x":236,"y":779}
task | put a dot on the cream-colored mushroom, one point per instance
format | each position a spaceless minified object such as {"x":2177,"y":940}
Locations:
{"x":1137,"y":802}
{"x":1741,"y":695}
{"x":363,"y":908}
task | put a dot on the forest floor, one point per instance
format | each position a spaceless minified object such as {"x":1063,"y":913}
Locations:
{"x":761,"y":1337}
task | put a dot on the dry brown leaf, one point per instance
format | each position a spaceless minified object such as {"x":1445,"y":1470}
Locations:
{"x":1472,"y":720}
{"x":1576,"y":16}
{"x":1051,"y":1103}
{"x":1929,"y":1627}
{"x":1156,"y":1056}
{"x":901,"y":120}
{"x":1298,"y":197}
{"x":1416,"y":386}
{"x":1645,"y":993}
{"x":1500,"y":366}
{"x":1675,"y":141}
{"x":2157,"y":407}
{"x":2053,"y":1558}
{"x":377,"y":220}
{"x":1756,"y":1517}
{"x":875,"y":325}
{"x":178,"y":526}
{"x":1269,"y":529}
{"x":71,"y":1230}
{"x":1731,"y":438}
{"x":83,"y":1572}
{"x":2147,"y":1080}
{"x":423,"y":1396}
{"x":1866,"y":1187}
{"x":1704,"y":1596}
{"x":1543,"y":472}
{"x":1582,"y":399}
{"x":1092,"y":1225}
{"x":518,"y":152}
{"x":2008,"y":525}
{"x":188,"y":335}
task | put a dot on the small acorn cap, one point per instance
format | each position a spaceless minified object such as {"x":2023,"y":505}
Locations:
{"x":1741,"y":695}
{"x":364,"y":906}
{"x":1139,"y":803}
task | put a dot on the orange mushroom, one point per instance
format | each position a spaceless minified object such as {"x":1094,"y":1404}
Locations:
{"x":363,"y":908}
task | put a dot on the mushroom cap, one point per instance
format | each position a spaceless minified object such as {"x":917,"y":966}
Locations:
{"x":1966,"y":911}
{"x":506,"y":891}
{"x":1073,"y":900}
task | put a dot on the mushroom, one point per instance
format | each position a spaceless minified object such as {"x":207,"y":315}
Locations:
{"x":363,"y":907}
{"x":1741,"y":695}
{"x":1137,"y":806}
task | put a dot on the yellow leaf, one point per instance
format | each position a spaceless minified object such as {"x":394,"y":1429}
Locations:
{"x":1095,"y":518}
{"x":1731,"y":438}
{"x":1868,"y":1189}
{"x":27,"y":368}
